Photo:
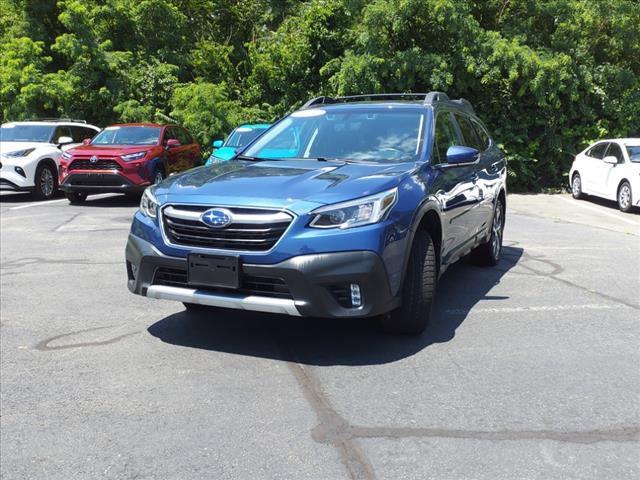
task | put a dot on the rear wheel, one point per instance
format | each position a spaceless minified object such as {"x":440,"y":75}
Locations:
{"x":75,"y":197}
{"x":488,"y":253}
{"x":625,"y":200}
{"x":418,"y":290}
{"x":576,"y":186}
{"x":46,"y":182}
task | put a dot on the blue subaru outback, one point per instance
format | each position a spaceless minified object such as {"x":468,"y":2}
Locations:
{"x":348,"y":207}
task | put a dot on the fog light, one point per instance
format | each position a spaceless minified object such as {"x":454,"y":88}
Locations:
{"x":20,"y":171}
{"x":356,"y":299}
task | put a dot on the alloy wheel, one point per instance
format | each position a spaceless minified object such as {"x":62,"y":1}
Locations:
{"x":496,"y":234}
{"x":46,"y":182}
{"x":576,"y":186}
{"x":624,"y":196}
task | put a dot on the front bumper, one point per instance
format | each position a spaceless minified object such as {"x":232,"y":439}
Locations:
{"x":307,"y":285}
{"x":12,"y":180}
{"x":100,"y":182}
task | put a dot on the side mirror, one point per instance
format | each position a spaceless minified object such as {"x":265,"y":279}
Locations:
{"x":610,"y":159}
{"x":64,"y":140}
{"x":86,"y":141}
{"x":459,"y":154}
{"x":217,"y":143}
{"x":172,"y":143}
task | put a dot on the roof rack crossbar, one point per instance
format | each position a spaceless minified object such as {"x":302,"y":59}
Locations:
{"x":318,"y":101}
{"x":55,"y":119}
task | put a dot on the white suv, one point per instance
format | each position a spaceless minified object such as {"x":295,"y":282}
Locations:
{"x":609,"y":169}
{"x":30,"y":153}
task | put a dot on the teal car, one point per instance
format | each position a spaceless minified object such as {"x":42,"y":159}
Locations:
{"x":239,"y":138}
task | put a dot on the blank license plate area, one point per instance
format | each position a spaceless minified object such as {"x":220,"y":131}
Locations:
{"x":220,"y":271}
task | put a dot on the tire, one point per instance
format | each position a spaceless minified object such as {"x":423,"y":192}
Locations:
{"x":418,"y":290}
{"x":75,"y":197}
{"x":624,"y":197}
{"x":46,"y":182}
{"x":576,"y":187}
{"x":488,"y":253}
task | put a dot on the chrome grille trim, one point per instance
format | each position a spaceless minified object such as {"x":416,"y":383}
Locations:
{"x":237,"y":217}
{"x":182,"y":228}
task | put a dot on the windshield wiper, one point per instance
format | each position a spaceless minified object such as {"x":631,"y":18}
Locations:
{"x":253,"y":159}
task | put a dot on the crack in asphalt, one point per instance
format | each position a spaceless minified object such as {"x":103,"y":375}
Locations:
{"x":67,"y":221}
{"x":335,"y":430}
{"x":44,"y":346}
{"x":27,"y":261}
{"x":332,"y":429}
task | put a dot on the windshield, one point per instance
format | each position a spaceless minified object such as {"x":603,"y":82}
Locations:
{"x":25,"y":133}
{"x":128,"y":136}
{"x":243,"y":136}
{"x":634,"y":153}
{"x":368,"y":134}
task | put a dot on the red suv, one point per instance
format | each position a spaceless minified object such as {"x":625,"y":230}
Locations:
{"x":126,"y":158}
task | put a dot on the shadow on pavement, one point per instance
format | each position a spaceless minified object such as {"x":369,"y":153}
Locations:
{"x":117,"y":200}
{"x":25,"y":197}
{"x":603,"y":202}
{"x":320,"y":341}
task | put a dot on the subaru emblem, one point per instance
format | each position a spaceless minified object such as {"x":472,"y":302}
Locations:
{"x":217,"y":217}
{"x":93,"y":159}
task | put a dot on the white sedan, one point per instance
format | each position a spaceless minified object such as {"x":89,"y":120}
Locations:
{"x":609,"y":169}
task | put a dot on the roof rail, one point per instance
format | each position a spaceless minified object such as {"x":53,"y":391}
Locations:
{"x":427,"y":99}
{"x":464,"y":103}
{"x":318,"y":101}
{"x":433,"y":97}
{"x":54,"y":119}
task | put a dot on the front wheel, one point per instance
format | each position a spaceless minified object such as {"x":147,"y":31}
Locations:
{"x":418,"y":290}
{"x":75,"y":197}
{"x":625,"y":199}
{"x":46,"y":182}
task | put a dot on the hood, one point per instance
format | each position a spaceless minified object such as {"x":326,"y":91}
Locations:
{"x":280,"y":183}
{"x":8,"y":147}
{"x":109,"y":150}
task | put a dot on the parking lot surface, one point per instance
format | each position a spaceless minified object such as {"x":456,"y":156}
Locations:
{"x":530,"y":370}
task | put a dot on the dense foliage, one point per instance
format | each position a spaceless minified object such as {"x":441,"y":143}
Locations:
{"x":548,"y":76}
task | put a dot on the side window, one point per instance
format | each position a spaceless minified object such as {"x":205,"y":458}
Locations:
{"x":62,"y":131}
{"x":88,"y":133}
{"x":188,"y":139}
{"x":168,"y":134}
{"x":183,"y":136}
{"x":445,"y":137}
{"x":471,"y":138}
{"x":615,"y":151}
{"x":80,"y":133}
{"x":598,"y":150}
{"x":485,"y":139}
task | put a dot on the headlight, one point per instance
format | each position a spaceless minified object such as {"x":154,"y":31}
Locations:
{"x":149,"y":204}
{"x":355,"y":213}
{"x":133,"y":156}
{"x":67,"y":156}
{"x":19,"y":153}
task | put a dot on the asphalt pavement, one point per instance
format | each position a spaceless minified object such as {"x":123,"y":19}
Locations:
{"x":530,"y":370}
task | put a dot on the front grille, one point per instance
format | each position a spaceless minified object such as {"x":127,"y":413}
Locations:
{"x":99,"y":165}
{"x":255,"y":230}
{"x":251,"y":285}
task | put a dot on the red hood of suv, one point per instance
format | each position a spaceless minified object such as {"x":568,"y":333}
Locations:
{"x":116,"y":150}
